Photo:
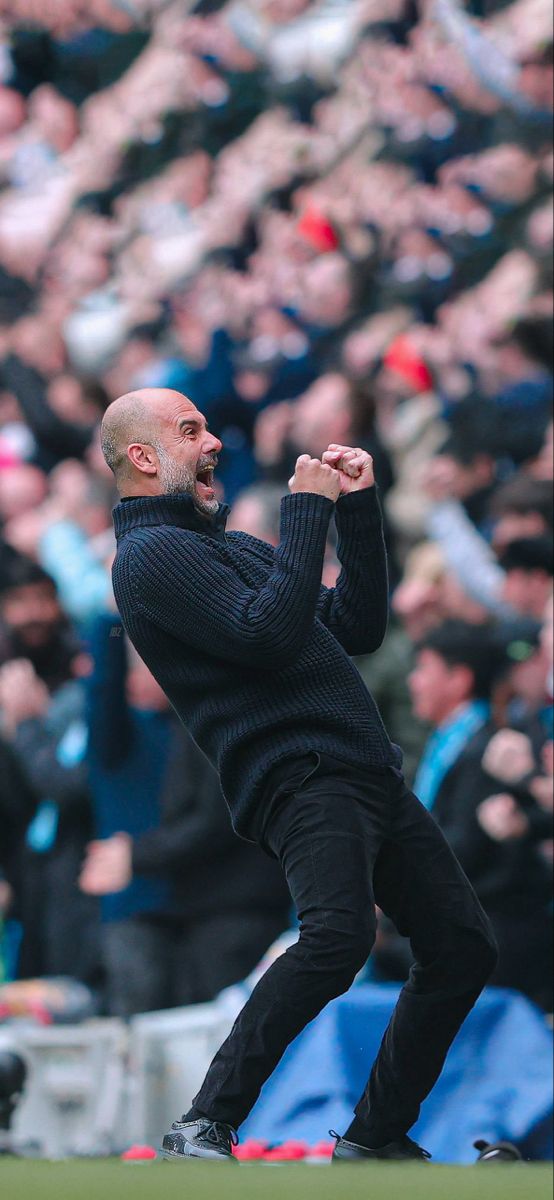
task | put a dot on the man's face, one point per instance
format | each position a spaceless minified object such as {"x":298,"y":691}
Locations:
{"x":526,"y":591}
{"x":187,"y":455}
{"x":322,"y":415}
{"x":437,"y":688}
{"x":32,"y":613}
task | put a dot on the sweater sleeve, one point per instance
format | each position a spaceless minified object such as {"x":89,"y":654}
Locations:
{"x":192,"y":593}
{"x":356,"y":610}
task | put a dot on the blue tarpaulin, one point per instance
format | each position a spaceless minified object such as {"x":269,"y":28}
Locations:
{"x":496,"y":1083}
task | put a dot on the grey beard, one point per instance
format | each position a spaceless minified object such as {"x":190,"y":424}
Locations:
{"x":176,"y":478}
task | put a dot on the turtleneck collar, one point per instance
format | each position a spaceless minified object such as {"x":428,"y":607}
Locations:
{"x":178,"y":509}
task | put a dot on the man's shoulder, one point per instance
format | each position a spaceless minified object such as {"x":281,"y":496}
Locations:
{"x":138,"y":544}
{"x":140,"y":554}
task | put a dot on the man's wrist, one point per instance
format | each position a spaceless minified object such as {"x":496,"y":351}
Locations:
{"x":305,"y":520}
{"x":364,"y":502}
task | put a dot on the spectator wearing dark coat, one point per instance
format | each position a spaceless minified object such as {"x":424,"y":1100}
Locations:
{"x":452,"y":685}
{"x":41,"y":709}
{"x":188,"y":907}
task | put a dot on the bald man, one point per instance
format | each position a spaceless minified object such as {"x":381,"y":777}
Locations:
{"x":254,"y":655}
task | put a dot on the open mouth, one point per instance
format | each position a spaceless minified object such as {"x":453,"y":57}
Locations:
{"x":204,"y":482}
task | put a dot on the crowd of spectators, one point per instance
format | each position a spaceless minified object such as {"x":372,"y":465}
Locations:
{"x":325,"y":221}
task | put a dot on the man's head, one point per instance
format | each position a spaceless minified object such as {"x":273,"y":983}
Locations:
{"x":522,"y":508}
{"x":157,"y":443}
{"x":526,"y":660}
{"x":527,"y":563}
{"x":323,"y":414}
{"x":22,"y":488}
{"x":29,"y":605}
{"x":456,"y":663}
{"x":417,"y":601}
{"x":257,"y":511}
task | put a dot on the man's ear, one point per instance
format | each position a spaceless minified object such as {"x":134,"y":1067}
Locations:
{"x":143,"y":458}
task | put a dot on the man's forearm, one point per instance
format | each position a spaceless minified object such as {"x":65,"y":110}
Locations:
{"x":468,"y":555}
{"x":222,"y":612}
{"x":356,"y":610}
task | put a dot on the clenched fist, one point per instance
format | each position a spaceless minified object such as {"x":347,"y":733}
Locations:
{"x":509,"y":756}
{"x":354,"y":467}
{"x":311,"y":475}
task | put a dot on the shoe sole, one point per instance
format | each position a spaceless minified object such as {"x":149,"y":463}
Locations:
{"x":171,"y":1156}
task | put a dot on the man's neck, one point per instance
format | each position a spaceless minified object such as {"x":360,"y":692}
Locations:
{"x":454,"y":711}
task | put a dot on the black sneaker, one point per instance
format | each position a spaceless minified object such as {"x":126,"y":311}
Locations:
{"x":497,"y":1152}
{"x":200,"y":1139}
{"x":401,"y":1151}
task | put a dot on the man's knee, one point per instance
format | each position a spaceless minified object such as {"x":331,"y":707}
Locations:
{"x":340,"y":953}
{"x":472,"y":957}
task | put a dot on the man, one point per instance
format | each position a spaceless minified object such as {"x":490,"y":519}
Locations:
{"x":187,"y":908}
{"x":453,"y":682}
{"x":33,"y":625}
{"x":41,"y":712}
{"x":253,"y":654}
{"x":527,"y":566}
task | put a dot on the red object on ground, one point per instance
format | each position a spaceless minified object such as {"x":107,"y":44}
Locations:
{"x":250,"y":1151}
{"x":139,"y":1154}
{"x":288,"y":1152}
{"x":405,"y":360}
{"x":317,"y":230}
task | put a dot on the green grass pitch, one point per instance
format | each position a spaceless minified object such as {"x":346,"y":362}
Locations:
{"x":85,"y":1180}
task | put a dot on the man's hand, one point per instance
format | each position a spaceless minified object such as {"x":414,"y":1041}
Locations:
{"x":355,"y":467}
{"x":311,"y":475}
{"x":509,"y":756}
{"x":22,"y":693}
{"x":501,"y":818}
{"x":108,"y":866}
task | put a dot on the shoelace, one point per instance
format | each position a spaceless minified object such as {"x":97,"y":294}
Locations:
{"x":218,"y":1132}
{"x":421,"y":1153}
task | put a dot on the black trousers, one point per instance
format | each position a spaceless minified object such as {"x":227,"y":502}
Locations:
{"x":349,"y":840}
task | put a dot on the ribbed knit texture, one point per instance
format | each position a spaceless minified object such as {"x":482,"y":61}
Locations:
{"x":250,"y":648}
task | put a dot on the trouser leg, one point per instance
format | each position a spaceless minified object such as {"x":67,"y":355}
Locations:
{"x":136,"y":958}
{"x":419,"y":883}
{"x":327,"y":845}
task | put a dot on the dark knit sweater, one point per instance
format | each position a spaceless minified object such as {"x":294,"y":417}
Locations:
{"x":251,"y":650}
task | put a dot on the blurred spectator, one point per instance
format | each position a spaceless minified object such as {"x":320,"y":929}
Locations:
{"x":187,"y":908}
{"x":41,"y":709}
{"x":527,"y":566}
{"x":452,"y":685}
{"x":324,"y":220}
{"x":521,"y":508}
{"x":17,"y":805}
{"x":33,"y":626}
